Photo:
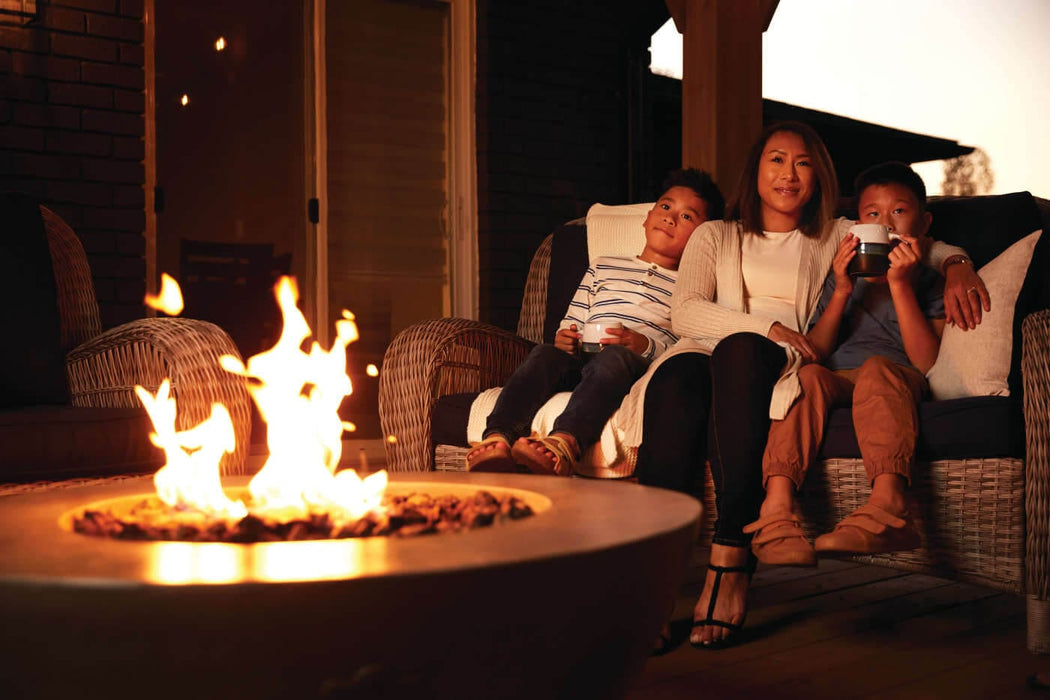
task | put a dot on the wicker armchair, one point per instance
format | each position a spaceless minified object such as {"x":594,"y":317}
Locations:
{"x":987,"y":520}
{"x":104,"y":367}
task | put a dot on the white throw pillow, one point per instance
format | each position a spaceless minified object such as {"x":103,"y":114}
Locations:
{"x":977,"y":362}
{"x":616,"y":230}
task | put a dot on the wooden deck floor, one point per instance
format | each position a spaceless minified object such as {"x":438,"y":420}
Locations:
{"x":847,"y":630}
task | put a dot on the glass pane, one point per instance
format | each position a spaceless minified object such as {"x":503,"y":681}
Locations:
{"x":230,"y":154}
{"x":387,"y":177}
{"x":230,"y":160}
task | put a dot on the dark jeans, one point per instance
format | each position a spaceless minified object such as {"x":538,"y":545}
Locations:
{"x":598,"y":383}
{"x":718,"y":406}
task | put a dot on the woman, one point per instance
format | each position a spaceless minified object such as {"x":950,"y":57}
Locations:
{"x":746,"y":289}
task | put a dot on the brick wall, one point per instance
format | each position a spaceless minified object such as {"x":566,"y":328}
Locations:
{"x":552,"y":101}
{"x":71,"y":133}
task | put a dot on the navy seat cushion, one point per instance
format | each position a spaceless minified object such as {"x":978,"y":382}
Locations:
{"x":969,"y":428}
{"x":32,"y":360}
{"x":569,"y":261}
{"x":450,"y":418}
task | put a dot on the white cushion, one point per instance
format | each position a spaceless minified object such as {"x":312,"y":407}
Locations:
{"x":616,"y":230}
{"x":977,"y":362}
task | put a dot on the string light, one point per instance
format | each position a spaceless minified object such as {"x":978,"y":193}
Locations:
{"x":184,"y":100}
{"x":220,"y":43}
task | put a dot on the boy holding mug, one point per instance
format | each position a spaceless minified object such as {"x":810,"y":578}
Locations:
{"x":632,"y":292}
{"x":877,"y":336}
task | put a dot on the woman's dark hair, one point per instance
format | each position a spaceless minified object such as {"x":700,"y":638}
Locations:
{"x":746,"y":206}
{"x":698,"y":181}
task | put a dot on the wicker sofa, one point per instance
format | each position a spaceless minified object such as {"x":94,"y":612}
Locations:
{"x":983,"y":469}
{"x":102,"y":429}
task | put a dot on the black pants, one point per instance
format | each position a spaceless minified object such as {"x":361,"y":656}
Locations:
{"x":598,"y":383}
{"x":718,"y":407}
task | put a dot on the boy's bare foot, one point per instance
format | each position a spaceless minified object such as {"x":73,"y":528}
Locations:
{"x":491,"y":455}
{"x":555,"y":454}
{"x":730,"y":599}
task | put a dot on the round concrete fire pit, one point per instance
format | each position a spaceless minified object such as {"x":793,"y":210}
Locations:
{"x":566,"y":603}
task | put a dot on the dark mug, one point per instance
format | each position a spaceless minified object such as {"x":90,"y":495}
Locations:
{"x":873,"y":250}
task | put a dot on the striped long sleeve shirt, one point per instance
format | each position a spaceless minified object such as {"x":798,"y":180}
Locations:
{"x":628,"y":290}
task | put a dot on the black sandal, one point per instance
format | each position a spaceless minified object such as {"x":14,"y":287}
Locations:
{"x":749,"y":569}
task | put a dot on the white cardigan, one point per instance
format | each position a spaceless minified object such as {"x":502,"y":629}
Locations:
{"x":708,"y":305}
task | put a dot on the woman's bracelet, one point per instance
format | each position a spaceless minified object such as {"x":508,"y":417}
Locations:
{"x":954,"y":260}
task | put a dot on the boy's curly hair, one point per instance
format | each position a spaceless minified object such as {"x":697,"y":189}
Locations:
{"x":701,"y":182}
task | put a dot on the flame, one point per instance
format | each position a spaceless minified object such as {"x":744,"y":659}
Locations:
{"x":169,"y":299}
{"x":298,"y":395}
{"x":191,"y":475}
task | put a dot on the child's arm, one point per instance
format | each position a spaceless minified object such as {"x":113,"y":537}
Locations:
{"x":824,"y":334}
{"x":921,"y":336}
{"x":638,"y":343}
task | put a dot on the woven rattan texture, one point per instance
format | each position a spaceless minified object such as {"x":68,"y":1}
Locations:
{"x":534,"y":304}
{"x":105,"y":370}
{"x":1035,"y":372}
{"x":77,"y":305}
{"x":104,"y":367}
{"x":427,"y":361}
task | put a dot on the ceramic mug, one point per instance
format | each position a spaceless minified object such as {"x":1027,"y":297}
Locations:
{"x":593,"y":334}
{"x":873,"y":250}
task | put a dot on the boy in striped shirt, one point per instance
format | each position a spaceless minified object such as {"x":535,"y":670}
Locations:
{"x":633,"y":291}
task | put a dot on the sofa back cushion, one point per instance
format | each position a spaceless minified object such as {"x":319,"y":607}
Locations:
{"x":32,"y":361}
{"x":977,"y":362}
{"x":986,"y":227}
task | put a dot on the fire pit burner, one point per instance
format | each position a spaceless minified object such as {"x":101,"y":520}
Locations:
{"x":402,"y":515}
{"x":565,"y":603}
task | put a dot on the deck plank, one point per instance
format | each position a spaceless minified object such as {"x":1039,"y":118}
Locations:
{"x":852,"y":630}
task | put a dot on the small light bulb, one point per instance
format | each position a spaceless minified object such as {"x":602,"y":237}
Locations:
{"x":220,"y":44}
{"x":372,"y":371}
{"x":185,"y":99}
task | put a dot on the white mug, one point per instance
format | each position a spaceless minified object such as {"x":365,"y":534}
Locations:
{"x":593,"y":334}
{"x":873,"y":250}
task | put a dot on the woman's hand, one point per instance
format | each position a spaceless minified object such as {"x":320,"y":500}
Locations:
{"x":964,"y":296}
{"x":780,"y":333}
{"x":567,"y":339}
{"x":633,"y":341}
{"x":840,"y":264}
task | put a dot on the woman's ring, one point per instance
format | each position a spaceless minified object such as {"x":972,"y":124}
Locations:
{"x":971,"y":290}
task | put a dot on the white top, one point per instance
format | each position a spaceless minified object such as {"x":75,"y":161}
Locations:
{"x":629,"y":290}
{"x":769,"y":264}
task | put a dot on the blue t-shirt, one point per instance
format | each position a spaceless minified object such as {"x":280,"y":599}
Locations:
{"x":869,"y":322}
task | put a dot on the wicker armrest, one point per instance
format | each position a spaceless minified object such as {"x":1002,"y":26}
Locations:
{"x":1035,"y":371}
{"x":104,"y":371}
{"x":432,"y":359}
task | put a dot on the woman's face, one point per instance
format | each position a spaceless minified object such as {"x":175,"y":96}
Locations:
{"x":785,"y":181}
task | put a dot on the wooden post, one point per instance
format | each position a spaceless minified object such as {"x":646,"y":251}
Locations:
{"x":721,"y":82}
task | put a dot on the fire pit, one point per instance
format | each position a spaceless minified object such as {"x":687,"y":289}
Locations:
{"x":565,"y":603}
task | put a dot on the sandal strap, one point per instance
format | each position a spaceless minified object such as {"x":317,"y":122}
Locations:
{"x":744,"y":569}
{"x":718,"y":623}
{"x":565,"y":456}
{"x":494,"y":438}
